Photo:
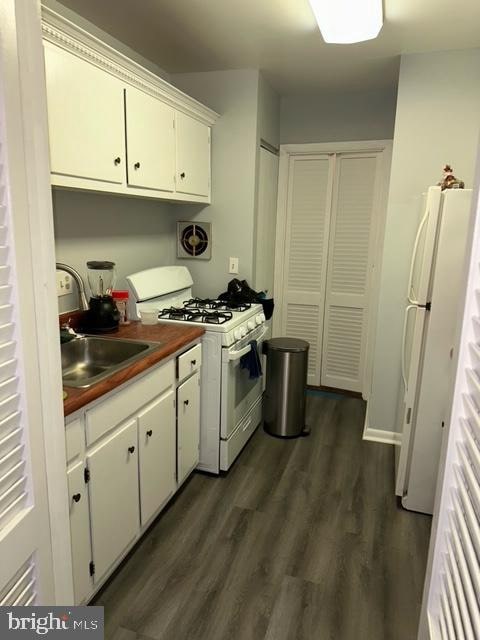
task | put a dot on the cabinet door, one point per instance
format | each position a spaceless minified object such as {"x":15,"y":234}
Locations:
{"x":79,"y":532}
{"x":351,"y":245}
{"x":305,"y":254}
{"x":150,"y":141}
{"x":113,"y":491}
{"x":193,"y":156}
{"x":188,"y":425}
{"x":86,"y":120}
{"x":156,"y":440}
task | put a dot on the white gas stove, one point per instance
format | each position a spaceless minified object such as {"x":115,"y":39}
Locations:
{"x":234,"y":322}
{"x":231,"y":401}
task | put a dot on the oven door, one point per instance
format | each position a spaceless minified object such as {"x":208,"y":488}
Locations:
{"x":239,"y":392}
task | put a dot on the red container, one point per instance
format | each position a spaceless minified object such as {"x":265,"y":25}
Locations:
{"x":121,"y":300}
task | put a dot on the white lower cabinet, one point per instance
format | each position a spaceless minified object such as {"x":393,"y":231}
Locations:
{"x":128,"y":454}
{"x":113,"y":489}
{"x":79,"y":531}
{"x":156,"y":443}
{"x":188,"y":425}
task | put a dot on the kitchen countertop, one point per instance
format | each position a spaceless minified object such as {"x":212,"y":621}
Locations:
{"x":172,"y":336}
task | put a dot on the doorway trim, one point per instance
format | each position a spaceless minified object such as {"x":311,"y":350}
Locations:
{"x":324,"y":148}
{"x":29,"y":167}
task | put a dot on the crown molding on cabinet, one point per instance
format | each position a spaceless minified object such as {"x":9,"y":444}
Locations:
{"x":67,"y":35}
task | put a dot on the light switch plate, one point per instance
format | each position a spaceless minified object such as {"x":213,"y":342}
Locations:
{"x":64,"y":283}
{"x":233,"y":265}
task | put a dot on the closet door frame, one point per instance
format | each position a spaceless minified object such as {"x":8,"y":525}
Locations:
{"x":384,"y":148}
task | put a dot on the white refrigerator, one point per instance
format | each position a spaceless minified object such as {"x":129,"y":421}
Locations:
{"x":431,"y":315}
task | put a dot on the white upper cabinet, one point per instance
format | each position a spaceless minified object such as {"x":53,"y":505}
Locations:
{"x":116,"y":127}
{"x":193,"y":156}
{"x":150,"y":141}
{"x":85,"y":113}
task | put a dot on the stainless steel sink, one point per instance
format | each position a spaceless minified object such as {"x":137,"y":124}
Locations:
{"x":89,"y":359}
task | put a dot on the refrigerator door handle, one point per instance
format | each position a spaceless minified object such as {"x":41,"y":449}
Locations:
{"x":414,"y":254}
{"x":404,"y":343}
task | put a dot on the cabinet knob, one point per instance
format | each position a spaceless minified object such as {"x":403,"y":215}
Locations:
{"x":136,"y":165}
{"x":131,"y":449}
{"x":76,"y":497}
{"x":182,"y":175}
{"x":150,"y":433}
{"x":194,"y":362}
{"x":185,"y":402}
{"x":117,"y":160}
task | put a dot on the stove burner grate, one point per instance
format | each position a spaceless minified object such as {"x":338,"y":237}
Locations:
{"x":219,"y":305}
{"x":194,"y":314}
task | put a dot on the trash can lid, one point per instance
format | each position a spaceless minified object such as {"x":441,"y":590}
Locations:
{"x":287,"y":344}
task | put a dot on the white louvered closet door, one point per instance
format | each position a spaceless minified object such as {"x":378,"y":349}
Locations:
{"x":351,"y":244}
{"x":306,"y":248}
{"x":25,"y":547}
{"x":451,"y":607}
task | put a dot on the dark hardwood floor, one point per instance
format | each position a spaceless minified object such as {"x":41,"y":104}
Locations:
{"x":302,"y":540}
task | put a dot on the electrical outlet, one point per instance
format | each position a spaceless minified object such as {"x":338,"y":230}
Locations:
{"x":233,"y":265}
{"x":64,"y":283}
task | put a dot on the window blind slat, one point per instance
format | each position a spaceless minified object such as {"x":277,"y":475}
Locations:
{"x":472,"y":482}
{"x":25,"y":576}
{"x":447,"y":612}
{"x":455,"y":600}
{"x":464,"y":628}
{"x":469,"y":513}
{"x":466,"y":581}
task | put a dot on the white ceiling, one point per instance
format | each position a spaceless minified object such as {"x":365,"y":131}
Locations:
{"x":281,"y":38}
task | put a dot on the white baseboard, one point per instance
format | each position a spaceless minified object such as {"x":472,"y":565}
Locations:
{"x":380,"y":435}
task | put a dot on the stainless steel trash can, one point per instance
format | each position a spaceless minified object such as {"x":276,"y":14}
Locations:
{"x":284,"y":399}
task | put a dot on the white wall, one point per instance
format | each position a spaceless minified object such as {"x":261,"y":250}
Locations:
{"x":134,"y":233}
{"x":234,"y":95}
{"x":437,"y":122}
{"x":268,"y":113}
{"x":336,"y":117}
{"x":105,"y":37}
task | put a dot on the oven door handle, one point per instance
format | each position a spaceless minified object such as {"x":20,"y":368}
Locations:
{"x":236,"y":355}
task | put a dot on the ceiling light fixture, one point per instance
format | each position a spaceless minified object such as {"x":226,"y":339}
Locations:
{"x":348,"y":21}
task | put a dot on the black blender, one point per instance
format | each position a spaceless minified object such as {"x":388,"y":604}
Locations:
{"x":103,"y":315}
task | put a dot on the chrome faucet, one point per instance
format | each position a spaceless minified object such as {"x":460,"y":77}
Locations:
{"x":80,"y":284}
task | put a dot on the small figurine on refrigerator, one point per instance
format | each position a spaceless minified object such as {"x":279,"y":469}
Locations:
{"x":449,"y":180}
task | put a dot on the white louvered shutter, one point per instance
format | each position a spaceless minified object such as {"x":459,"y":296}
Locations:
{"x":306,"y":248}
{"x":451,"y":608}
{"x":355,"y":203}
{"x":25,"y":550}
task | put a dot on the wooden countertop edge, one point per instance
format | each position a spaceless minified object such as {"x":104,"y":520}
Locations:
{"x":79,"y":398}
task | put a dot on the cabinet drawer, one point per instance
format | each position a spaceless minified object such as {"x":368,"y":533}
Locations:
{"x":109,"y":413}
{"x":229,"y":449}
{"x":73,"y":439}
{"x":189,"y":361}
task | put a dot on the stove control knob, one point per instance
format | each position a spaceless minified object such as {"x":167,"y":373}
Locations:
{"x":237,"y":334}
{"x":262,"y":317}
{"x":251,"y":325}
{"x":259,"y":319}
{"x":243,"y":330}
